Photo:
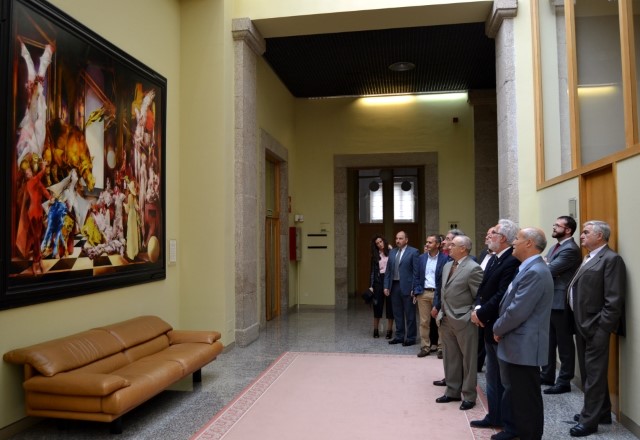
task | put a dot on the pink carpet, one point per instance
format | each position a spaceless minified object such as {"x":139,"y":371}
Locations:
{"x":345,"y":396}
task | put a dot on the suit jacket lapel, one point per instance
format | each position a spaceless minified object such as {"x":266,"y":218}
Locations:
{"x":516,"y":280}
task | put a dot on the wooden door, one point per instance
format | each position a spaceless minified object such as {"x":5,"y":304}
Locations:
{"x":388,"y":219}
{"x":272,"y":239}
{"x":598,"y":201}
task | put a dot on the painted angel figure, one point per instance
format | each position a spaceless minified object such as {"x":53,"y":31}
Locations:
{"x":33,"y":128}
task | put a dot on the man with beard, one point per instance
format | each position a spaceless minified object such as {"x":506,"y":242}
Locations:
{"x":499,"y":273}
{"x":563,"y":260}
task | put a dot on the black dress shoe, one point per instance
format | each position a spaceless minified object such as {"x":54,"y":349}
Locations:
{"x":376,"y":333}
{"x":604,"y":420}
{"x":581,"y":430}
{"x":440,"y":383}
{"x":395,"y":341}
{"x":558,"y":389}
{"x":388,"y":336}
{"x":408,"y":343}
{"x":467,"y":404}
{"x":503,"y":435}
{"x":544,"y":381}
{"x":484,"y":423}
{"x":447,"y":399}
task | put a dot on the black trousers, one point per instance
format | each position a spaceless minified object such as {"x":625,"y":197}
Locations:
{"x":560,"y":335}
{"x":522,"y":391}
{"x":593,"y":360}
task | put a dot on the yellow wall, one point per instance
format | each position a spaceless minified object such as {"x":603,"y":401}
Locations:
{"x":155,"y":42}
{"x":206,"y":183}
{"x":628,"y":181}
{"x":325,"y":128}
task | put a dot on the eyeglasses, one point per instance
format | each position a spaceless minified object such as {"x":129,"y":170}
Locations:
{"x":556,"y":226}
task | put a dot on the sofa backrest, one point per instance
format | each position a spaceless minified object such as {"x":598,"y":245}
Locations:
{"x":82,"y":349}
{"x":137,"y":330}
{"x":68,"y":353}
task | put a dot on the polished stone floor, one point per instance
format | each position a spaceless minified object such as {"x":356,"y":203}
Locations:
{"x":182,"y":411}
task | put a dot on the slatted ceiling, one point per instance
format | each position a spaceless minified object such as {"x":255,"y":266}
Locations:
{"x":447,"y":58}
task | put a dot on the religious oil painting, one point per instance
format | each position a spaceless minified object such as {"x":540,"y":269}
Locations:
{"x":83,"y":137}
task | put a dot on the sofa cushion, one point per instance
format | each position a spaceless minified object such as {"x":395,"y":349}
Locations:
{"x":77,"y":384}
{"x":64,"y":354}
{"x":137,"y":330}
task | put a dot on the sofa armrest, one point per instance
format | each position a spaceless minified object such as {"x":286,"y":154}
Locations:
{"x":77,"y":384}
{"x":185,"y":336}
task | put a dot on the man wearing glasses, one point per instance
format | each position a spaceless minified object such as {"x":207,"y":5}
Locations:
{"x":500,"y":271}
{"x":460,"y":280}
{"x":563,"y":260}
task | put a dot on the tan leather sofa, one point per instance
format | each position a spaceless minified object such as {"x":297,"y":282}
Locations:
{"x":102,"y":373}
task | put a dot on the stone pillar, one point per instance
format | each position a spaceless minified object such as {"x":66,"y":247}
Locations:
{"x":500,"y":27}
{"x":485,"y":140}
{"x":248,"y":46}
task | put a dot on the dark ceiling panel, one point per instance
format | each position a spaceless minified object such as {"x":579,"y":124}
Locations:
{"x":447,"y":58}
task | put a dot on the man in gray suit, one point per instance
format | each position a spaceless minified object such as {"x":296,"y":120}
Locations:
{"x":563,"y":260}
{"x":522,"y":333}
{"x":461,"y":278}
{"x":399,"y":281}
{"x":596,"y":296}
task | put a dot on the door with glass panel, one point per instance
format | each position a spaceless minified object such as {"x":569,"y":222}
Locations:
{"x":388,"y":200}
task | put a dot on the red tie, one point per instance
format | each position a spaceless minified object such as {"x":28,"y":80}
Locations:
{"x":554,"y":250}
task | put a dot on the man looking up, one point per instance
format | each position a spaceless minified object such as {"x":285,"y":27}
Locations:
{"x":460,"y":280}
{"x":497,"y":276}
{"x":596,"y":296}
{"x":430,"y":266}
{"x":522,"y":334}
{"x":399,"y":281}
{"x":563,"y":260}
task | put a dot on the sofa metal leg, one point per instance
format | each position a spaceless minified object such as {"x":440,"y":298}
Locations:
{"x":63,"y":424}
{"x":115,"y":427}
{"x":197,"y":376}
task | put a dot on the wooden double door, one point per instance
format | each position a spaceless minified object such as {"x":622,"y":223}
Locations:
{"x":388,"y":200}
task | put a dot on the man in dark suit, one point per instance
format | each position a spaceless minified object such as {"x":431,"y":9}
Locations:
{"x":430,"y":266}
{"x":563,"y":260}
{"x":460,"y":280}
{"x":596,"y":296}
{"x":483,"y":261}
{"x":522,"y":333}
{"x":399,"y":281}
{"x":498,"y":275}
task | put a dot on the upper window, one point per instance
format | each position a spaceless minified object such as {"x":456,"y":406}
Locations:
{"x":585,"y":111}
{"x":372,"y":195}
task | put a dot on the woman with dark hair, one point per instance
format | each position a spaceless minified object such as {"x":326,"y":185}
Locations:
{"x":379,"y":257}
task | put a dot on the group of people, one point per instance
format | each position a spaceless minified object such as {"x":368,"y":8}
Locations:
{"x":512,"y":309}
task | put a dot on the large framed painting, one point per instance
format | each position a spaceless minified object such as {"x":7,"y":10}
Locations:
{"x":82,"y":128}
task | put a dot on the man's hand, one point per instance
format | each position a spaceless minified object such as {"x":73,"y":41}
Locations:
{"x":386,"y":292}
{"x":475,"y":320}
{"x":434,"y":312}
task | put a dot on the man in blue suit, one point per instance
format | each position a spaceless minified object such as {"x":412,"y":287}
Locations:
{"x":399,"y":281}
{"x":522,"y":334}
{"x":430,"y":266}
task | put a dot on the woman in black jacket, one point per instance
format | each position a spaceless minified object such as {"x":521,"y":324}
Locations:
{"x":379,"y":258}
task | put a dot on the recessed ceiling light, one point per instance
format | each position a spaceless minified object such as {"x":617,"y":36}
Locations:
{"x":402,"y":66}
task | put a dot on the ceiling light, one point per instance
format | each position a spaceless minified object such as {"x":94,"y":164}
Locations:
{"x":402,"y":66}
